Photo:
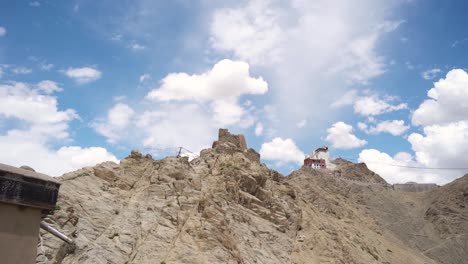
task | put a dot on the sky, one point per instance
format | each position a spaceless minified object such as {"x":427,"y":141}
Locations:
{"x":381,"y":82}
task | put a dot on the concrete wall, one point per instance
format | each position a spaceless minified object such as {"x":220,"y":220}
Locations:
{"x":19,"y":230}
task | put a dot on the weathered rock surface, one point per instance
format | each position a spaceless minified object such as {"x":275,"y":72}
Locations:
{"x":227,"y":207}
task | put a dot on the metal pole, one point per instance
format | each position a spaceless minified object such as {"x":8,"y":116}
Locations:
{"x":180,"y":150}
{"x":56,"y":233}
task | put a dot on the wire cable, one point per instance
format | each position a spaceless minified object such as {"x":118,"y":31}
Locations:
{"x":408,"y":167}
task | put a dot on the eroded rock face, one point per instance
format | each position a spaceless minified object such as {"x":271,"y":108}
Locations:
{"x":227,"y":207}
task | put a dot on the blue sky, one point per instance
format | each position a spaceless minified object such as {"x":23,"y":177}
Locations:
{"x":84,"y":81}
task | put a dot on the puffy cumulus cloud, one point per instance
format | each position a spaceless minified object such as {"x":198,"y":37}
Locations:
{"x":448,"y":101}
{"x":227,"y":80}
{"x":119,"y":117}
{"x":341,"y":136}
{"x":27,"y":148}
{"x":83,"y":75}
{"x":430,"y":74}
{"x":307,"y":47}
{"x":403,"y":168}
{"x":190,"y":109}
{"x":394,"y":127}
{"x":35,"y":106}
{"x":34,"y":123}
{"x":78,"y":157}
{"x":372,"y":106}
{"x":441,"y":149}
{"x":221,"y":87}
{"x":3,"y":31}
{"x":187,"y":125}
{"x":282,"y":151}
{"x":167,"y":126}
{"x":442,"y":145}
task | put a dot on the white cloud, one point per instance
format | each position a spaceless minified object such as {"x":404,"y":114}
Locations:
{"x":442,"y":145}
{"x":3,"y":31}
{"x":307,"y":47}
{"x":21,"y":70}
{"x":48,"y":87}
{"x":19,"y":100}
{"x":167,"y":126}
{"x":394,"y":127}
{"x":33,"y":124}
{"x":227,"y":80}
{"x":395,"y":169}
{"x":341,"y":136}
{"x":263,"y":32}
{"x":443,"y":142}
{"x":79,"y":157}
{"x":26,"y":148}
{"x":347,"y":99}
{"x":189,"y":109}
{"x":136,"y":47}
{"x":448,"y":101}
{"x":221,"y":87}
{"x":282,"y":150}
{"x":120,"y":115}
{"x":252,"y":32}
{"x":430,"y":74}
{"x":145,"y":77}
{"x":118,"y":118}
{"x":227,"y":112}
{"x":44,"y":66}
{"x":259,"y":129}
{"x":372,"y":105}
{"x":186,"y":125}
{"x":362,"y":126}
{"x":83,"y":75}
{"x":35,"y":4}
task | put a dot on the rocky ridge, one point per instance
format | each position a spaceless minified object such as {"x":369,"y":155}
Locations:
{"x":225,"y":206}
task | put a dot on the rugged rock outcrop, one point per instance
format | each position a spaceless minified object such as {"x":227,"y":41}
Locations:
{"x":226,"y":207}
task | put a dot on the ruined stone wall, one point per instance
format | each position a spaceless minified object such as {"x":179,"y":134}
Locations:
{"x":414,"y":187}
{"x":224,"y":136}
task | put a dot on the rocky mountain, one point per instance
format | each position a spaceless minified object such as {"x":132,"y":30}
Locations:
{"x":225,"y":206}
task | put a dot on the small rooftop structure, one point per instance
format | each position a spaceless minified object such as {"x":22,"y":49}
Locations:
{"x":25,"y":196}
{"x":319,"y":159}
